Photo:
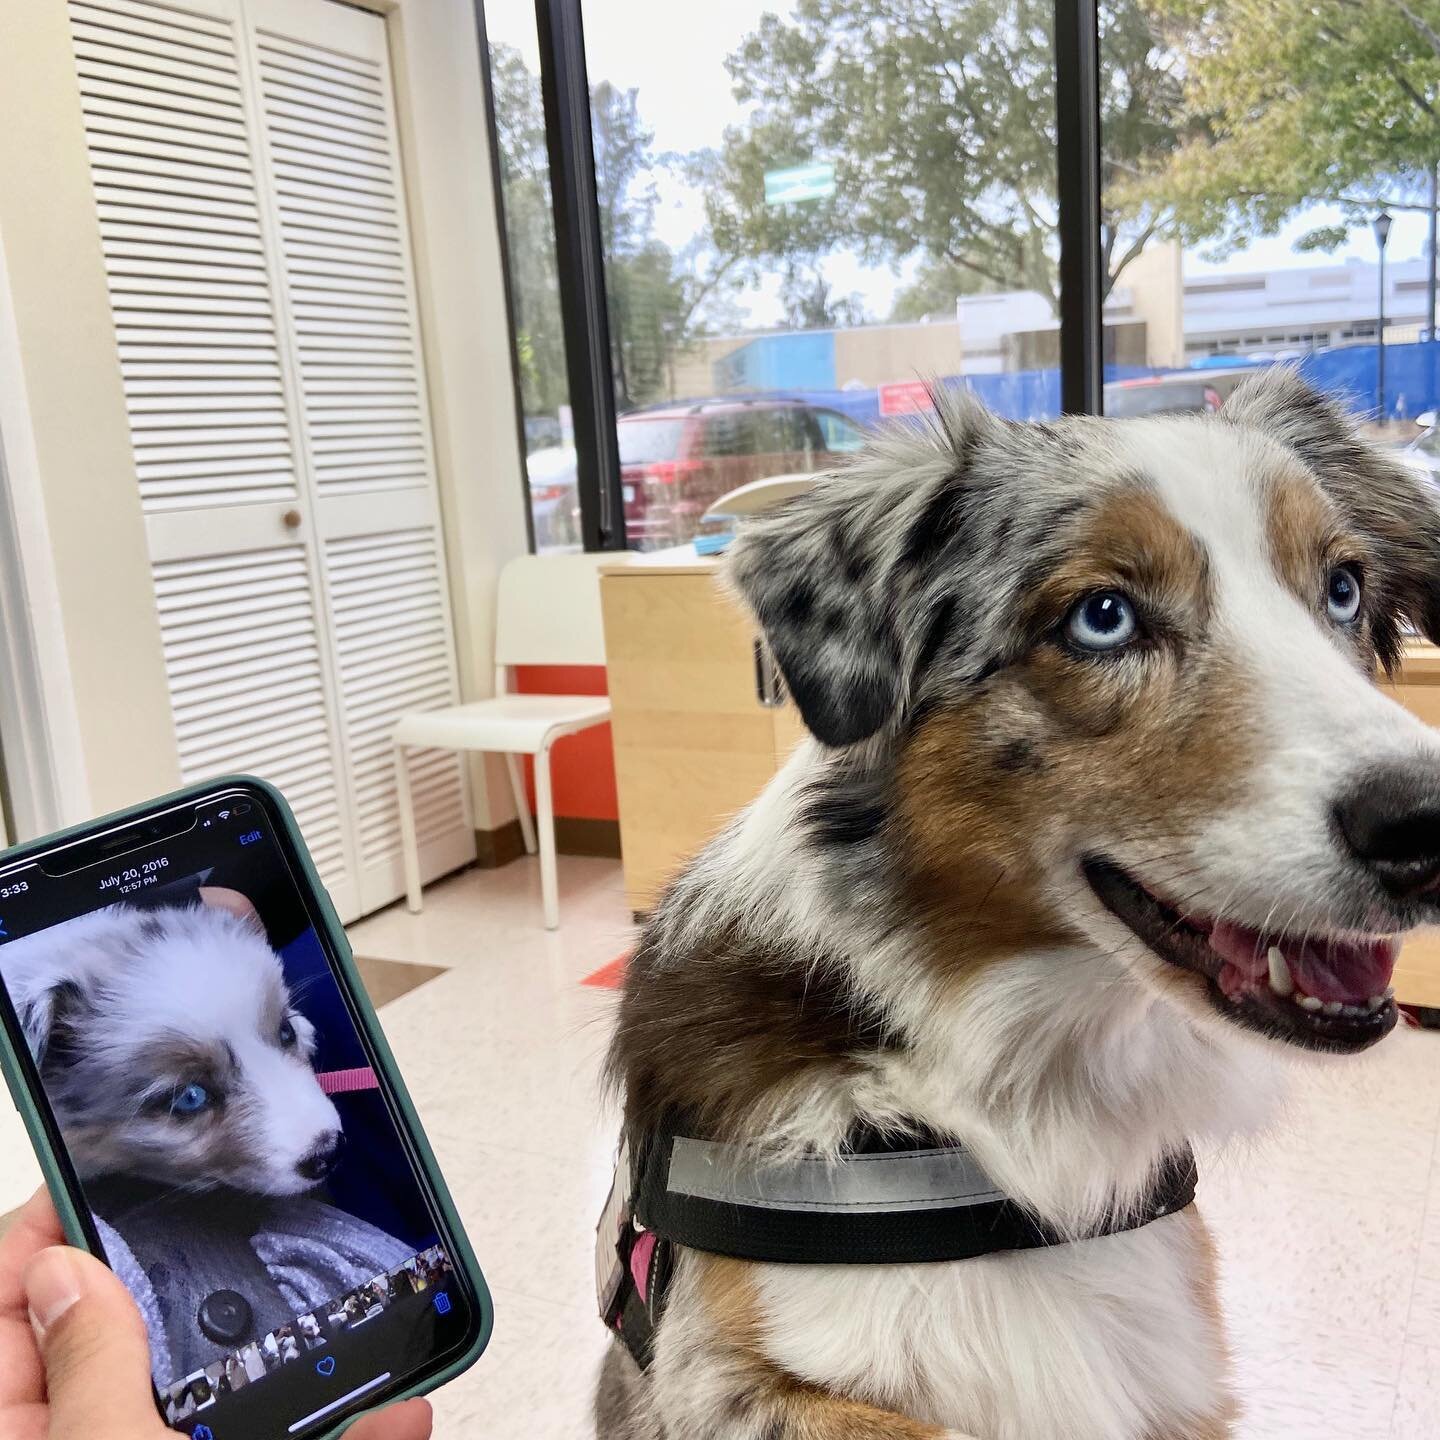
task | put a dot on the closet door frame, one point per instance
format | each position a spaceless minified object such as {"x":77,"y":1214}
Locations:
{"x":44,"y":756}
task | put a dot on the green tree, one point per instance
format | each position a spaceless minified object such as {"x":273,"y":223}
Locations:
{"x":1299,"y":101}
{"x":656,"y":300}
{"x":934,"y":290}
{"x":810,"y":302}
{"x":641,"y":292}
{"x":529,"y":231}
{"x":939,"y":118}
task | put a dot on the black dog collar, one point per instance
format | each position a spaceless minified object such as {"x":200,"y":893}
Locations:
{"x":881,"y":1202}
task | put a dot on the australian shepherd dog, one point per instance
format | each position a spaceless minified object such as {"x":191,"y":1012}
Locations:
{"x":1101,"y":816}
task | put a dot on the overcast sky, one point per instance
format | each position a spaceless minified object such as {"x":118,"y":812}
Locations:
{"x":674,"y":57}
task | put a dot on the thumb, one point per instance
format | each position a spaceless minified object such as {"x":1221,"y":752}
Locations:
{"x":93,"y":1343}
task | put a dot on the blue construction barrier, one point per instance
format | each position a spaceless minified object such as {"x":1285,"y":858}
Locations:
{"x":1412,"y":384}
{"x":1412,"y":377}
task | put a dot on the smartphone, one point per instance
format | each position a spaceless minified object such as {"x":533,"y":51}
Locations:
{"x":220,"y":1119}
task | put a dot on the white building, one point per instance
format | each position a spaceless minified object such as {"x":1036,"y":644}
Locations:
{"x":986,"y":321}
{"x":1303,"y":307}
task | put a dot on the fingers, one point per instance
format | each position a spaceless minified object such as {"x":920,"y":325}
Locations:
{"x":411,"y":1420}
{"x":22,"y":1381}
{"x":94,"y":1348}
{"x":35,"y":1227}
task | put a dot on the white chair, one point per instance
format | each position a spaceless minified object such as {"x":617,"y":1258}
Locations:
{"x":547,"y":613}
{"x":757,"y":496}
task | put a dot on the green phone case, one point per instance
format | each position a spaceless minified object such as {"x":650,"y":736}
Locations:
{"x":65,"y":1204}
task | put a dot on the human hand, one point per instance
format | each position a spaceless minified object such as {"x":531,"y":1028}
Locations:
{"x":74,"y":1360}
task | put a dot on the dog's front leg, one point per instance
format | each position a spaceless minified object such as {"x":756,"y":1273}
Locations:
{"x":777,"y":1407}
{"x":713,"y":1381}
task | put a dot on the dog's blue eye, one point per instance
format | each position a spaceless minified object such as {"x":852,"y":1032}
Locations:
{"x":190,"y":1101}
{"x":287,"y":1034}
{"x":1103,"y":621}
{"x":1343,"y":595}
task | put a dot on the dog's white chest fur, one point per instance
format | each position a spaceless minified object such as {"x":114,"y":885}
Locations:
{"x":1103,"y":1340}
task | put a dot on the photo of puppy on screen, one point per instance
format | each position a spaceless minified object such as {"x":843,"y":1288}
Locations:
{"x":223,"y":1119}
{"x":173,"y":1051}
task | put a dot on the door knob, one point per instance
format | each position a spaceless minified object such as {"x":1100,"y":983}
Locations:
{"x":292,"y":519}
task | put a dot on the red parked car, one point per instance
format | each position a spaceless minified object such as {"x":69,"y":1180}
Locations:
{"x":678,"y":459}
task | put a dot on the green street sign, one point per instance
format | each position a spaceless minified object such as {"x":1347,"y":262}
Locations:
{"x":799,"y":182}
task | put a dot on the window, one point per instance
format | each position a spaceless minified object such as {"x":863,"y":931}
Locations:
{"x":643,"y":441}
{"x":1201,"y":160}
{"x":839,"y":435}
{"x":524,"y":178}
{"x":778,"y":433}
{"x":772,"y":232}
{"x":784,"y":262}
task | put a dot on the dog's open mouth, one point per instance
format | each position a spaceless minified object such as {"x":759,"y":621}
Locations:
{"x":1326,"y":992}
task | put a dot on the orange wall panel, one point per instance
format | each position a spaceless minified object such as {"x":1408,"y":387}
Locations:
{"x":582,"y":766}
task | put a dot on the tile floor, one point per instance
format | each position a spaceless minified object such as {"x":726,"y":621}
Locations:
{"x":1329,"y":1230}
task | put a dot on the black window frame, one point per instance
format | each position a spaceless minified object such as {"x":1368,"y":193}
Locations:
{"x":565,"y":86}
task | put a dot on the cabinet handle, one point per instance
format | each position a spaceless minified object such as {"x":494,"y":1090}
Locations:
{"x":769,"y":683}
{"x":292,"y":519}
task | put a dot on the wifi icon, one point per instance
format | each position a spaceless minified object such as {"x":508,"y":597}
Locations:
{"x":224,"y":814}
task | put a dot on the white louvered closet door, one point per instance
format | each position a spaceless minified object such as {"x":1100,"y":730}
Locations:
{"x":329,"y":147}
{"x":253,"y":228}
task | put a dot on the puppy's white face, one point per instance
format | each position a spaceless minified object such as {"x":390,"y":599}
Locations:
{"x":173,"y":1052}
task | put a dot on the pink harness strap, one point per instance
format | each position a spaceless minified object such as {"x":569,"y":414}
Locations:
{"x":640,"y":1256}
{"x":344,"y":1082}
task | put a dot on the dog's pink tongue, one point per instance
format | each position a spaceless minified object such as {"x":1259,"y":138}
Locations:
{"x":1348,"y":970}
{"x":1332,"y":969}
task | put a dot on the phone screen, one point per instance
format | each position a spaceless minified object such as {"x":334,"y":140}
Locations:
{"x":219,"y":1108}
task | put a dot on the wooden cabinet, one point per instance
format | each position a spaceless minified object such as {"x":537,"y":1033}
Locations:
{"x":694,"y":742}
{"x":1417,"y":976}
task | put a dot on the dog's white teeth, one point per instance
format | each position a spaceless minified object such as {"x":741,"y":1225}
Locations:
{"x":1281,"y":981}
{"x":1309,"y":1002}
{"x":1332,"y":1007}
{"x":1353,"y":1011}
{"x":1389,"y":992}
{"x":1374,"y":1002}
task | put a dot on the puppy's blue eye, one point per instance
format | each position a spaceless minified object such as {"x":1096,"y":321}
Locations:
{"x":1103,"y":621}
{"x":287,"y":1034}
{"x":1342,"y":597}
{"x":190,"y":1101}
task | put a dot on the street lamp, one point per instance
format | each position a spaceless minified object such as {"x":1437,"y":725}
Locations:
{"x":1381,"y":226}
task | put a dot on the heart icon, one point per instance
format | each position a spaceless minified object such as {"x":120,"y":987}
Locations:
{"x":326,"y":1366}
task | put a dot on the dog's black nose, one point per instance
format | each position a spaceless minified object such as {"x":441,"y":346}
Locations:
{"x":1391,"y":823}
{"x":322,"y":1160}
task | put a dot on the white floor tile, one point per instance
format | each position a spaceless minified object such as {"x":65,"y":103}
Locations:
{"x":19,"y":1170}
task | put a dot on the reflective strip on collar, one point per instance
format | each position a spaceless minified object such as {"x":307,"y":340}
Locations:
{"x":882,"y":1202}
{"x":901,"y":1180}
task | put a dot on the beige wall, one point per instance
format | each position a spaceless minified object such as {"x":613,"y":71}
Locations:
{"x":444,"y":144}
{"x":74,"y":404}
{"x":68,"y":372}
{"x":868,"y":355}
{"x":883,"y":354}
{"x":1157,"y":296}
{"x":692,"y":371}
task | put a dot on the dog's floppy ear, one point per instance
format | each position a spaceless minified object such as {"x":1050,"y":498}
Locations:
{"x":1385,"y":499}
{"x":831,"y":575}
{"x":44,"y":1012}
